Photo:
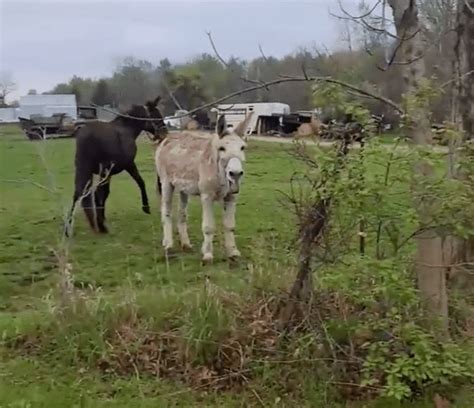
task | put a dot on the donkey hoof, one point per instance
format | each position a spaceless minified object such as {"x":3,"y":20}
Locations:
{"x":169,"y":252}
{"x":146,"y":209}
{"x":67,"y":232}
{"x":103,"y":229}
{"x":234,"y":254}
{"x":186,"y":247}
{"x":207,"y":259}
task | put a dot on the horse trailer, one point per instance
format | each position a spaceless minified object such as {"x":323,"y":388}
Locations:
{"x":266,"y":116}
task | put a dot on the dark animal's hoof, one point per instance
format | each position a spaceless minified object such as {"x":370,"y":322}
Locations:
{"x":103,"y":229}
{"x":146,"y":209}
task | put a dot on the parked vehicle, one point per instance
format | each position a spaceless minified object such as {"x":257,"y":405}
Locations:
{"x":39,"y":127}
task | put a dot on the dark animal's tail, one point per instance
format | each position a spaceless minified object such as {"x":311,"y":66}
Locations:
{"x":158,"y":184}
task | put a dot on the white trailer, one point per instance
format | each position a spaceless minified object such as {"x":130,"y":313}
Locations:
{"x":8,"y":115}
{"x":266,"y":115}
{"x":177,"y":121}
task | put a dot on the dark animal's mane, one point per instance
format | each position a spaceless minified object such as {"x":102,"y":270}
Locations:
{"x":137,"y":111}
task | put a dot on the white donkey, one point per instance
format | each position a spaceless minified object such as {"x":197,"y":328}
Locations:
{"x":194,"y":164}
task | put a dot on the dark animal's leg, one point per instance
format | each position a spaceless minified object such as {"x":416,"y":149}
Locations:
{"x":100,"y":198}
{"x":88,"y":204}
{"x":133,"y":171}
{"x":82,"y":186}
{"x":84,"y":182}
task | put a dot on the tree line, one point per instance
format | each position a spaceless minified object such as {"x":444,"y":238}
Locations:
{"x":361,"y":59}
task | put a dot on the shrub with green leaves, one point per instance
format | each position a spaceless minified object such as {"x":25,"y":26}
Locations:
{"x":377,"y":320}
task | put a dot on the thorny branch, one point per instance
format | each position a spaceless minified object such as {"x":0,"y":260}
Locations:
{"x":313,"y":217}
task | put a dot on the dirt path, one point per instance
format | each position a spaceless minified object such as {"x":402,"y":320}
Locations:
{"x":325,"y":143}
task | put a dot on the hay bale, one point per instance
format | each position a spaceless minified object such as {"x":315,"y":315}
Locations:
{"x":192,"y":125}
{"x":305,"y":129}
{"x":315,"y":125}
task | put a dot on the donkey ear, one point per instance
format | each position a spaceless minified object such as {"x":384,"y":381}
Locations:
{"x":241,"y":128}
{"x":221,"y":127}
{"x":157,"y":100}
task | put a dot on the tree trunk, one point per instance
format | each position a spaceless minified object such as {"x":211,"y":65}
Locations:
{"x":464,"y":63}
{"x":465,"y":57}
{"x":431,"y":275}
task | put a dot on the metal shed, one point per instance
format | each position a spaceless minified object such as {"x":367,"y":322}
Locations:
{"x":8,"y":115}
{"x":48,"y":105}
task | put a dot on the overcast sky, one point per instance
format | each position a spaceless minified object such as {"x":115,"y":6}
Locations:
{"x":44,"y":42}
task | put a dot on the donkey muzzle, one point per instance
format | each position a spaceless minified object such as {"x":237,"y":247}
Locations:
{"x":234,"y":173}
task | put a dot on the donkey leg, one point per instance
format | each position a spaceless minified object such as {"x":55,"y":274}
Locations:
{"x":182,"y":221}
{"x":208,"y":227}
{"x":229,"y":227}
{"x":135,"y":174}
{"x":166,"y":215}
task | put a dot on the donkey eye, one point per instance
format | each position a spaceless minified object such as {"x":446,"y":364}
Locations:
{"x":222,"y":149}
{"x":242,"y":148}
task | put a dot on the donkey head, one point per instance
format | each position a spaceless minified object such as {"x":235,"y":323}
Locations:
{"x":230,"y":146}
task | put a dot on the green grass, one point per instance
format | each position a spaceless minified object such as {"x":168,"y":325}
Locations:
{"x":31,"y":220}
{"x":36,"y":185}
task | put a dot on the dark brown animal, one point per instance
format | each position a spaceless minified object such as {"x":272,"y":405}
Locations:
{"x":105,"y":149}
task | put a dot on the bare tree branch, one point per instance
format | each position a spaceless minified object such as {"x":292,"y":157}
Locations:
{"x":26,"y":181}
{"x":365,"y":15}
{"x":282,"y":79}
{"x":214,"y":48}
{"x":392,"y":61}
{"x":468,"y":6}
{"x":463,"y":76}
{"x":382,"y":31}
{"x":223,"y":61}
{"x":262,"y":53}
{"x":7,"y":84}
{"x":171,"y":95}
{"x":360,"y":20}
